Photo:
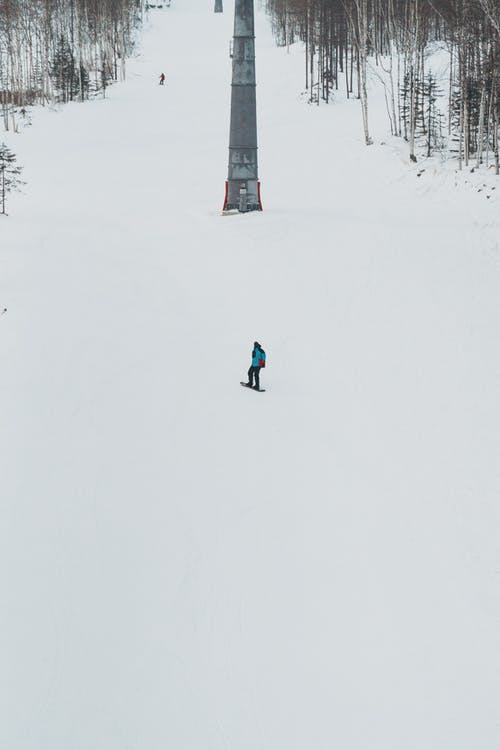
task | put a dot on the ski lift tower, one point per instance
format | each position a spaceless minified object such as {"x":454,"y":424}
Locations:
{"x":242,"y":185}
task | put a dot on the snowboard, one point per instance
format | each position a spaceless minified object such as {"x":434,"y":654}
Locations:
{"x":261,"y":390}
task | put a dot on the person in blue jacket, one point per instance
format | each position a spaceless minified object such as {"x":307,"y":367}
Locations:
{"x":258,"y":361}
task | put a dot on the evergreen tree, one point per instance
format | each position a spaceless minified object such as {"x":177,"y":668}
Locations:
{"x":9,"y":174}
{"x":433,"y":119}
{"x":63,"y":71}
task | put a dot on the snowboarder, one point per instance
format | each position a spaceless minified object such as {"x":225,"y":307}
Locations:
{"x":258,"y":361}
{"x":162,"y":79}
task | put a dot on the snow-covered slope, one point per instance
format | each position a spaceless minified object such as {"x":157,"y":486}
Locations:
{"x":185,"y":564}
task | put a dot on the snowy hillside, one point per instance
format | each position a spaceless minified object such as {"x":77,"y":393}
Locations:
{"x":186,"y":564}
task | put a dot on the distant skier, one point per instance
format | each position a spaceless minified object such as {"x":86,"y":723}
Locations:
{"x":162,"y":79}
{"x":258,"y":361}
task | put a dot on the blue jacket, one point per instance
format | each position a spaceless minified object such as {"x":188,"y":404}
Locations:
{"x":258,"y":354}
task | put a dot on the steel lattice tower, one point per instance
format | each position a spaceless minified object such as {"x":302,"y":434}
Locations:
{"x":242,"y":186}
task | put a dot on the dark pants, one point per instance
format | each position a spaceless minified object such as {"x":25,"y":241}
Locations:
{"x":254,"y":373}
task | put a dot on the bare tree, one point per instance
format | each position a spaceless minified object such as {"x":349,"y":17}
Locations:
{"x":357,"y":11}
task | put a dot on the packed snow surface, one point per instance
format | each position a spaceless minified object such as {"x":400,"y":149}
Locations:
{"x":185,"y":564}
